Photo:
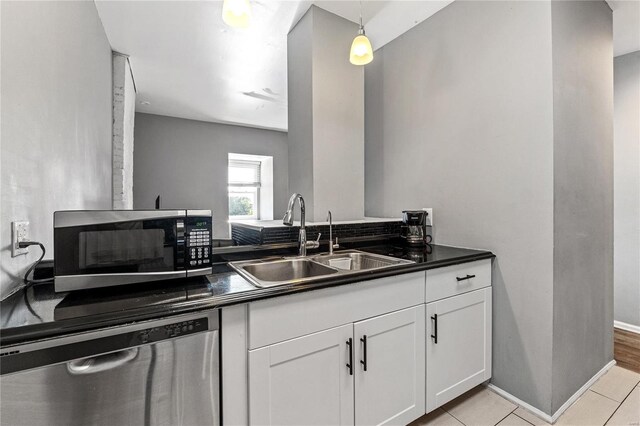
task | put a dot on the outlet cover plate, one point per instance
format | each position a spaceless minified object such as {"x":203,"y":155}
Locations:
{"x":19,"y":232}
{"x":429,"y":218}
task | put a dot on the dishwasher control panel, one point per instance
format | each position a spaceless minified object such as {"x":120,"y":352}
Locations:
{"x":169,"y":331}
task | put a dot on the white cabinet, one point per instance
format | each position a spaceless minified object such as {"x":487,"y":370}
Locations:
{"x":390,"y":363}
{"x":458,"y":345}
{"x":283,"y":318}
{"x":457,"y":279}
{"x":304,"y":381}
{"x":370,"y":373}
{"x":299,"y":375}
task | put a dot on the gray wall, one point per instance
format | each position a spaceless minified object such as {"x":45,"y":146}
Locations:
{"x":326,"y":117}
{"x":338,"y":120}
{"x":300,"y":109}
{"x":583,"y":194}
{"x":56,"y":120}
{"x":464,"y":124}
{"x":627,"y":188}
{"x":186,"y":162}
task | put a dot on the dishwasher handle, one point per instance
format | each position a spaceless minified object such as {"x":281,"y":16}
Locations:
{"x":96,"y":364}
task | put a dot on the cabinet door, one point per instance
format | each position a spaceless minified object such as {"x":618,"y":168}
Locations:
{"x":303,"y":381}
{"x":458,"y":345}
{"x":391,"y":389}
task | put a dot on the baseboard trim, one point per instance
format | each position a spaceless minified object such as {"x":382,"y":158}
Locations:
{"x":582,"y":390}
{"x":503,"y":393}
{"x":544,"y":416}
{"x":627,"y":327}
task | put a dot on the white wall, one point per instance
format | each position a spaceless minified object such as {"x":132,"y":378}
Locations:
{"x":186,"y":162}
{"x":56,"y":120}
{"x":124,"y":111}
{"x":627,"y":188}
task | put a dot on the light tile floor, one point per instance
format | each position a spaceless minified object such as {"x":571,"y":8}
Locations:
{"x":614,"y":400}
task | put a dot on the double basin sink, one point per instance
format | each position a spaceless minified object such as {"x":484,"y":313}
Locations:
{"x":301,"y":270}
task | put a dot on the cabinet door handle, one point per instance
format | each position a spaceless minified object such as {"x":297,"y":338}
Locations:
{"x":434,"y":336}
{"x":468,"y":277}
{"x":350,"y":364}
{"x":364,"y":352}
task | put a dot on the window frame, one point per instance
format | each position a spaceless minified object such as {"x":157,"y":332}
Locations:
{"x":256,"y":165}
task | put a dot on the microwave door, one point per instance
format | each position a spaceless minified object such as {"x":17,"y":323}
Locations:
{"x":99,"y":255}
{"x":142,"y":247}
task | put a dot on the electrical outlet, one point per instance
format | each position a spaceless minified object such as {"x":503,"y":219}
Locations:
{"x":19,"y":232}
{"x":429,"y":219}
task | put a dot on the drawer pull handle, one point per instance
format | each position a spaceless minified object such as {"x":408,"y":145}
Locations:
{"x":434,"y":336}
{"x":364,"y":352}
{"x":350,"y":364}
{"x":468,"y":277}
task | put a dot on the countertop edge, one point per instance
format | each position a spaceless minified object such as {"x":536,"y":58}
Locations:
{"x":30,"y":333}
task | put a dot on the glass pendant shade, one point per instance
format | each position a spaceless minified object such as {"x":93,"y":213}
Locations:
{"x":236,"y":13}
{"x":361,"y":51}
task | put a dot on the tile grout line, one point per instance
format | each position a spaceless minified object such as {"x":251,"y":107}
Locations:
{"x":626,"y":396}
{"x":508,"y":414}
{"x":447,"y":411}
{"x":619,"y":405}
{"x":516,"y":414}
{"x":609,"y":398}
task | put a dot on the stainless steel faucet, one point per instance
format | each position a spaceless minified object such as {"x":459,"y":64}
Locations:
{"x":302,"y":236}
{"x":331,"y":244}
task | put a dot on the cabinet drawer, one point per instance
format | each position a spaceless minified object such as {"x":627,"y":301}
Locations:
{"x":457,"y":279}
{"x":282,"y":318}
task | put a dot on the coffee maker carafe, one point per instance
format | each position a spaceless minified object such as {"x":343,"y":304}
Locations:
{"x":414,"y":229}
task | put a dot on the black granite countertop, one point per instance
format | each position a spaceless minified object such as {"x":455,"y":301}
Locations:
{"x":39,"y":312}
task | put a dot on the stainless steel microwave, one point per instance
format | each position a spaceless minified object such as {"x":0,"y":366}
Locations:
{"x":102,"y":248}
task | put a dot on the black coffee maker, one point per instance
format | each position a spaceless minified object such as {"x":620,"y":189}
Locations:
{"x":414,"y":230}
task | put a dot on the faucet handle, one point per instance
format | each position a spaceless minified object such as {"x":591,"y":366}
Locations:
{"x":313,"y":244}
{"x":336,"y":245}
{"x":319,"y":235}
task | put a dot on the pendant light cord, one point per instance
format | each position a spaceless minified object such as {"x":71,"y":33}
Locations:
{"x":361,"y":26}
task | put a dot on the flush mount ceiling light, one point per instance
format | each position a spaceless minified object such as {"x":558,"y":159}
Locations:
{"x":236,"y":13}
{"x":361,"y":51}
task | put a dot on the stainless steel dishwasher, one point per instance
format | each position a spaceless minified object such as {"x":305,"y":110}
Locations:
{"x":159,"y":372}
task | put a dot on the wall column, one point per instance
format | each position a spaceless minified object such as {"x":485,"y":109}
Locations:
{"x":124,"y":105}
{"x":326,"y":117}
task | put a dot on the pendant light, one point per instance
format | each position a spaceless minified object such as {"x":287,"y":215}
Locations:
{"x":236,"y":13}
{"x":361,"y":51}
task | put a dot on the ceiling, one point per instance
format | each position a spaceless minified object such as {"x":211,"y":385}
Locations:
{"x":187,"y":63}
{"x":626,"y":26}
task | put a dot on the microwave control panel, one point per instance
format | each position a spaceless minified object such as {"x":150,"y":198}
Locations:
{"x":198,"y":233}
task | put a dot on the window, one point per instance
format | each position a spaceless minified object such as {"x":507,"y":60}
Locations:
{"x":250,"y":186}
{"x":244,"y":188}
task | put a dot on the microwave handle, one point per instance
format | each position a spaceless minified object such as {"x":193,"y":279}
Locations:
{"x":82,"y":282}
